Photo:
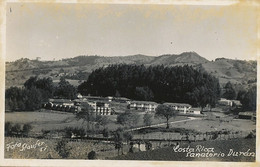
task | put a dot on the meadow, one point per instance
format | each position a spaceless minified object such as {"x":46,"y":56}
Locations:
{"x":50,"y":120}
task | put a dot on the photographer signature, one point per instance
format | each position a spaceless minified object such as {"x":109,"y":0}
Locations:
{"x":26,"y":146}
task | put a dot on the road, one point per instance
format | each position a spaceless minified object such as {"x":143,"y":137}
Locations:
{"x":162,"y":124}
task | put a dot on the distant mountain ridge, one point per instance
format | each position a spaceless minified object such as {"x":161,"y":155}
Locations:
{"x":236,"y":71}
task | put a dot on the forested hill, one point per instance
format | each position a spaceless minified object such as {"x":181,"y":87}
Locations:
{"x":77,"y":69}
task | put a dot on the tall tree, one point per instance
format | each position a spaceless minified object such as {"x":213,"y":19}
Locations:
{"x":143,"y":93}
{"x":31,"y":82}
{"x":13,"y":96}
{"x":128,"y":119}
{"x":166,"y":112}
{"x":82,"y":88}
{"x":229,"y":92}
{"x":86,"y":114}
{"x":248,"y":98}
{"x":118,"y":139}
{"x":33,"y":98}
{"x":102,"y":120}
{"x":65,"y":89}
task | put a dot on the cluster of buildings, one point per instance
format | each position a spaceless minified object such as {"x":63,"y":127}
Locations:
{"x":101,"y":105}
{"x":95,"y":106}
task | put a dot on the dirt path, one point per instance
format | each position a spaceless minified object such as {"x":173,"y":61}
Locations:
{"x":162,"y":124}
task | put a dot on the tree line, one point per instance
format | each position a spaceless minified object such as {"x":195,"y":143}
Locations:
{"x":180,"y":84}
{"x":247,"y":97}
{"x":35,"y":92}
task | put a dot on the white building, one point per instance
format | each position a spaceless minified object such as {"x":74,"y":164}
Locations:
{"x":225,"y":102}
{"x":143,"y":105}
{"x":181,"y":107}
{"x":99,"y":108}
{"x":195,"y":111}
{"x":79,"y":96}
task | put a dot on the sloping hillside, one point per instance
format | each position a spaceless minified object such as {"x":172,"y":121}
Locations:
{"x":190,"y":58}
{"x":235,"y":71}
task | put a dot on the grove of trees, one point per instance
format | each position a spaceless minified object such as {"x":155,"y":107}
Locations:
{"x":182,"y":84}
{"x":35,"y":92}
{"x":65,"y":90}
{"x":248,"y":98}
{"x":229,"y":92}
{"x":17,"y":129}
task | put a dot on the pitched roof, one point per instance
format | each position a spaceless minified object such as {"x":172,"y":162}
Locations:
{"x":121,"y":98}
{"x":95,"y":97}
{"x":144,"y":102}
{"x":178,"y":104}
{"x":60,"y":101}
{"x":195,"y":109}
{"x":247,"y":113}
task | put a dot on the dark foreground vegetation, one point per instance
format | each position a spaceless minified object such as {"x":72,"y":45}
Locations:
{"x":223,"y":146}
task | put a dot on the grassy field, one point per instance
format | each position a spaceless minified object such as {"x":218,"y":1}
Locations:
{"x":49,"y":120}
{"x":223,"y":146}
{"x":245,"y":126}
{"x":46,"y":120}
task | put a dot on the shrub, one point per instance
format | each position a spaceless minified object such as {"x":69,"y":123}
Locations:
{"x":250,"y":136}
{"x":92,"y":155}
{"x":215,"y":135}
{"x":148,"y":145}
{"x":8,"y":129}
{"x":16,"y":129}
{"x":69,"y":131}
{"x":45,"y":132}
{"x":105,"y":132}
{"x":79,"y":132}
{"x":26,"y":129}
{"x":131,"y":150}
{"x":62,"y":149}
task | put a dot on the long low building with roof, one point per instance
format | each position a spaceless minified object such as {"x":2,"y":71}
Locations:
{"x":61,"y":105}
{"x":143,"y":105}
{"x":150,"y":106}
{"x":97,"y":107}
{"x":181,"y":107}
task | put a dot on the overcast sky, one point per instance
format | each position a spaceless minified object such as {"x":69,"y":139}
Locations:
{"x":56,"y":31}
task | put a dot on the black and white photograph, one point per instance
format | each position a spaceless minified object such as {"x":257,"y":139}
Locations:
{"x":109,"y":82}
